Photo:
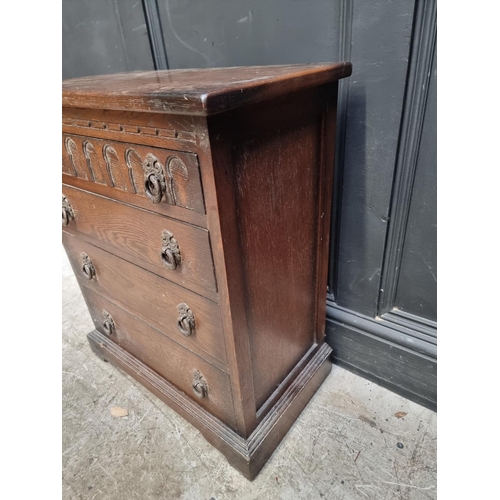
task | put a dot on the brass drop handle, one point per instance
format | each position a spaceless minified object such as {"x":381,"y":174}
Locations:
{"x":170,"y":252}
{"x":108,"y":324}
{"x":200,"y":386}
{"x":153,"y":188}
{"x":88,"y":267}
{"x":65,"y":217}
{"x":154,"y":179}
{"x":67,"y":212}
{"x":185,"y":321}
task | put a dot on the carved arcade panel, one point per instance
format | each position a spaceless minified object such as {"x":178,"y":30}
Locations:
{"x":161,"y":175}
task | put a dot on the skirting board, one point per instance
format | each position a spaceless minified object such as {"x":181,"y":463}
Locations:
{"x":246,"y":455}
{"x":401,"y":370}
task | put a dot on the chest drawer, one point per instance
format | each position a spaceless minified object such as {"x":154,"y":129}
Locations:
{"x":161,"y":180}
{"x":184,"y":316}
{"x":200,"y":380}
{"x":176,"y":251}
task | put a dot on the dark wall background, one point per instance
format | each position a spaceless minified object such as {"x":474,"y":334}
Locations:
{"x":382,"y":286}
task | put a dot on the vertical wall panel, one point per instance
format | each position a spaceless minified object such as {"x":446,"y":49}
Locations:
{"x":417,"y":284}
{"x":385,"y":300}
{"x":213,"y":33}
{"x":381,"y":35}
{"x":103,"y":36}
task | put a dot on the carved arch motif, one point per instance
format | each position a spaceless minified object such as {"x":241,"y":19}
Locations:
{"x":112,"y":163}
{"x":134,"y":164}
{"x":71,"y":149}
{"x":178,"y":179}
{"x":90,"y":156}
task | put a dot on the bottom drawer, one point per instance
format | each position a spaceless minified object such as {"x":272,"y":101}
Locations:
{"x":200,"y":380}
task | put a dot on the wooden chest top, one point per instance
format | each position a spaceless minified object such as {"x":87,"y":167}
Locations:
{"x":196,"y":92}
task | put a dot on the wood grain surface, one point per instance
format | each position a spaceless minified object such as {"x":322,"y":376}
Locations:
{"x":198,"y":92}
{"x":121,"y":166}
{"x":164,"y":356}
{"x":136,"y":235}
{"x":269,"y":163}
{"x":151,"y":298}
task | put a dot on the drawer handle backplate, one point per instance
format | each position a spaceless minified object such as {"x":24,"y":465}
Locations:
{"x":185,"y":321}
{"x":108,"y":324}
{"x":87,"y":267}
{"x":200,"y":386}
{"x":154,"y":178}
{"x":67,"y":211}
{"x":170,"y":252}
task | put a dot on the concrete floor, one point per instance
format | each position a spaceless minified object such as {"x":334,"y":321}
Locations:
{"x":343,"y":446}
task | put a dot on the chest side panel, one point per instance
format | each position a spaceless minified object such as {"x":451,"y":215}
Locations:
{"x":275,"y":160}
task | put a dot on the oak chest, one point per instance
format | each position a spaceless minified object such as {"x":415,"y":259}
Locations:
{"x":196,"y":212}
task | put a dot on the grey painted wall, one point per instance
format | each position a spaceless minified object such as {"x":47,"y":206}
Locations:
{"x":104,"y":36}
{"x":238,"y":32}
{"x":382,"y":284}
{"x":380,"y":47}
{"x":417,"y":284}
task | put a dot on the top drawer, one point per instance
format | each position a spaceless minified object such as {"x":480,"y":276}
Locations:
{"x":161,"y":180}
